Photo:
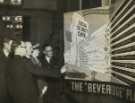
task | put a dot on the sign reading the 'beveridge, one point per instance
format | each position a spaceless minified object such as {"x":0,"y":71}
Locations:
{"x":103,"y":88}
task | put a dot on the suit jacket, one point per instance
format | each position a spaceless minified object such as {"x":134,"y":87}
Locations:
{"x":22,"y":86}
{"x":53,"y":68}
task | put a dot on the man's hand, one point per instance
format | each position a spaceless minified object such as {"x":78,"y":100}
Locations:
{"x":44,"y":90}
{"x":63,"y":70}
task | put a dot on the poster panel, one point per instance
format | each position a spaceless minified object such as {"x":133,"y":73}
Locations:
{"x":85,"y":51}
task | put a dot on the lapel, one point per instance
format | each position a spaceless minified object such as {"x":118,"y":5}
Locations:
{"x":45,"y":61}
{"x":46,"y":64}
{"x":49,"y":63}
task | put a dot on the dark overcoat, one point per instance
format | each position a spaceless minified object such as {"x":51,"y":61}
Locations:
{"x":53,"y":80}
{"x":22,"y":85}
{"x":4,"y":96}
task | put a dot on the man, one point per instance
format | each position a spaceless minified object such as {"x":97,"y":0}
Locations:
{"x":51,"y":62}
{"x":42,"y":85}
{"x":52,"y":66}
{"x":4,"y":53}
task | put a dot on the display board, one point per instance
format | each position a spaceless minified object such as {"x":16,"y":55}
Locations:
{"x":87,"y":45}
{"x":102,"y":49}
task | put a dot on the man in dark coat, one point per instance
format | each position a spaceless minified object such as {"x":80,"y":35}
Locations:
{"x":3,"y":86}
{"x":22,"y":86}
{"x":4,"y":53}
{"x":52,"y":66}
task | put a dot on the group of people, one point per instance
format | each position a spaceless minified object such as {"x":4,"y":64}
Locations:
{"x":26,"y":76}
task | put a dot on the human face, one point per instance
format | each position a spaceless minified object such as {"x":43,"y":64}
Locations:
{"x":28,"y":48}
{"x":48,"y":51}
{"x":35,"y":53}
{"x":7,"y":45}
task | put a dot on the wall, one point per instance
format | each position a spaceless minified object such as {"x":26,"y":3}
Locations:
{"x":41,"y":4}
{"x":40,"y":27}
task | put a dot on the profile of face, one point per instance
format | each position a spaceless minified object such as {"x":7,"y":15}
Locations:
{"x":48,"y":51}
{"x":22,"y":44}
{"x":7,"y":45}
{"x":35,"y":53}
{"x":29,"y":48}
